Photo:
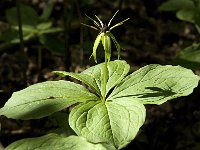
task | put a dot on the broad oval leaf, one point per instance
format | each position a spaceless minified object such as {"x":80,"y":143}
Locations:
{"x":85,"y":78}
{"x":116,"y":71}
{"x":189,"y":57}
{"x":56,"y":142}
{"x":43,"y":99}
{"x":176,"y":5}
{"x":93,"y":76}
{"x":155,"y":84}
{"x":28,"y":15}
{"x":187,"y":15}
{"x":114,"y":122}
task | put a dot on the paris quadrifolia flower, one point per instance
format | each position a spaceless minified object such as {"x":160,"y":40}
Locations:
{"x":105,"y":36}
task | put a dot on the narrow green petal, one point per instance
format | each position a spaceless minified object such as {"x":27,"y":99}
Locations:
{"x":90,"y":26}
{"x":113,"y":17}
{"x":119,"y":24}
{"x":99,"y":21}
{"x":95,"y":22}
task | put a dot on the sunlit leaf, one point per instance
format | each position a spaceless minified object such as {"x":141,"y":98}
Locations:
{"x":116,"y":71}
{"x":93,"y":76}
{"x":43,"y":99}
{"x":85,"y":78}
{"x":155,"y":84}
{"x":56,"y":142}
{"x":114,"y":122}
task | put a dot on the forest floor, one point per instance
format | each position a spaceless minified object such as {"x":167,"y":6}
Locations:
{"x":149,"y":37}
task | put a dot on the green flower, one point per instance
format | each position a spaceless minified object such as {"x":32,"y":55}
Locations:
{"x":105,"y":36}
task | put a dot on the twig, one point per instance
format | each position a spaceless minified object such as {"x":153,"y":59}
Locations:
{"x":81,"y":32}
{"x":67,"y":53}
{"x":23,"y":55}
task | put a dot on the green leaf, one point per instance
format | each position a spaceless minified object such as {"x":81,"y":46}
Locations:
{"x":189,"y":57}
{"x":114,"y":122}
{"x":176,"y":5}
{"x":28,"y":15}
{"x":12,"y":36}
{"x":191,"y":53}
{"x":43,"y":99}
{"x":56,"y":142}
{"x":52,"y":43}
{"x":187,"y":15}
{"x":85,"y":78}
{"x":116,"y":71}
{"x":186,"y":9}
{"x":44,"y":25}
{"x":155,"y":84}
{"x":27,"y":29}
{"x":47,"y":11}
{"x":93,"y":76}
{"x":96,"y":44}
{"x":51,"y":30}
{"x":60,"y":120}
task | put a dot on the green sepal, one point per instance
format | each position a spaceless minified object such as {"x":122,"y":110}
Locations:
{"x":96,"y":44}
{"x":107,"y":45}
{"x":116,"y":44}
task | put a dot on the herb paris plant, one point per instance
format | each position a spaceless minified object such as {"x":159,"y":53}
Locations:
{"x":100,"y":125}
{"x":104,"y":36}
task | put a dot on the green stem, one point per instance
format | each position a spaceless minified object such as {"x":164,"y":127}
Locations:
{"x":105,"y":78}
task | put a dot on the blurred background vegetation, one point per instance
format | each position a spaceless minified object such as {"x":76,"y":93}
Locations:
{"x":159,"y":31}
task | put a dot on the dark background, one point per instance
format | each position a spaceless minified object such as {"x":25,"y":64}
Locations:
{"x":149,"y":37}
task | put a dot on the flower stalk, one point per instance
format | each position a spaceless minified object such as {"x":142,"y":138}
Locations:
{"x":105,"y":37}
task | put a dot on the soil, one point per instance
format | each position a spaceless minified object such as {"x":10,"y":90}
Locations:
{"x":150,"y":36}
